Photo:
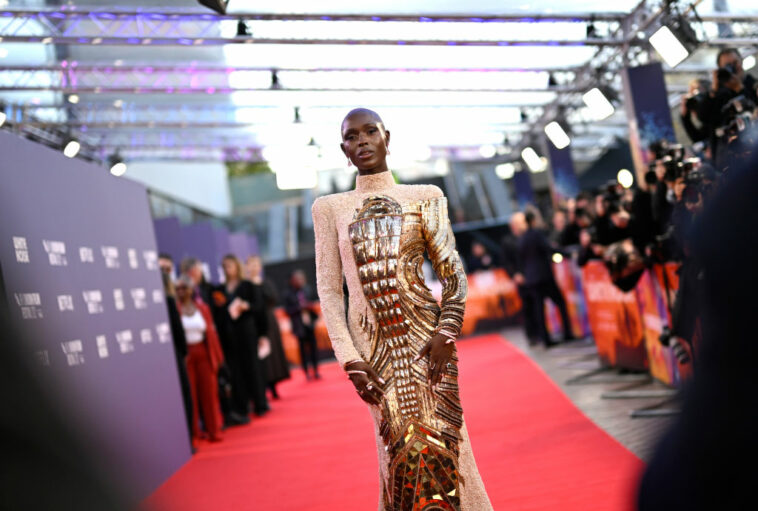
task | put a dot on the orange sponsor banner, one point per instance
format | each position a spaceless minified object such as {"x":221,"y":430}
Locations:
{"x":615,"y":320}
{"x":568,"y":278}
{"x":654,"y":318}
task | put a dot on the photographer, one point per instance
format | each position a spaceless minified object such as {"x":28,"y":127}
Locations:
{"x":728,"y":82}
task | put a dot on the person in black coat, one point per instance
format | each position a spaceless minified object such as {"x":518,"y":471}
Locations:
{"x":535,"y":256}
{"x":247,"y":315}
{"x":277,"y":367}
{"x":512,"y":265}
{"x":180,"y":346}
{"x":707,"y":458}
{"x":303,"y":317}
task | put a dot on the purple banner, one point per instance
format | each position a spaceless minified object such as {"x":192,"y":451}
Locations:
{"x":79,"y":262}
{"x":199,"y":241}
{"x":168,"y":235}
{"x":238,"y":245}
{"x":563,"y":182}
{"x":648,"y":111}
{"x":523,"y":186}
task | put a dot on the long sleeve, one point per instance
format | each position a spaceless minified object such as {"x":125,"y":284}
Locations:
{"x":440,"y":246}
{"x":329,"y":282}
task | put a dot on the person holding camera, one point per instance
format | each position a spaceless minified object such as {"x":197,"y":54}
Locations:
{"x":728,"y":82}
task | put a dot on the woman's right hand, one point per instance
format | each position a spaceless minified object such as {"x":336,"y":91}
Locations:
{"x":368,"y":384}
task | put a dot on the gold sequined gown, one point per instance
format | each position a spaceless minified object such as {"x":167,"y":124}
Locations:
{"x":376,"y":236}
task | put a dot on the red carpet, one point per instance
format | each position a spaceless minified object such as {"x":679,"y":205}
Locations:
{"x":316,"y":451}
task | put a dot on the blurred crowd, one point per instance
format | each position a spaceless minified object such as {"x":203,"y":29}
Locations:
{"x":228,"y":343}
{"x":629,"y":229}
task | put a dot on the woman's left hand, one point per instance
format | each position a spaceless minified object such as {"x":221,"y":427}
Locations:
{"x":440,"y":353}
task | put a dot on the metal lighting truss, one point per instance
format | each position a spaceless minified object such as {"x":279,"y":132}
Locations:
{"x":97,"y":26}
{"x":72,"y":77}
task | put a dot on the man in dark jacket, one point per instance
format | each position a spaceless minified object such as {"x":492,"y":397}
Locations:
{"x":535,"y":256}
{"x":303,"y":318}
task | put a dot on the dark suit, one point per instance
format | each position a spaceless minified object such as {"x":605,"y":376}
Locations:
{"x":294,"y":303}
{"x":511,"y":263}
{"x":535,"y":256}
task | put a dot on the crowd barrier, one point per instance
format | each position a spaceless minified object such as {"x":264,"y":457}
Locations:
{"x":625,"y":326}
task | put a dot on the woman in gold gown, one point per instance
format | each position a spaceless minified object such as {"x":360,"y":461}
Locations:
{"x":397,"y":344}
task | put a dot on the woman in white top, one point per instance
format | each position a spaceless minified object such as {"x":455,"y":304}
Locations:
{"x":204,"y":356}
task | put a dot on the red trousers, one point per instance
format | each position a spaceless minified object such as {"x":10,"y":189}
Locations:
{"x":204,"y":388}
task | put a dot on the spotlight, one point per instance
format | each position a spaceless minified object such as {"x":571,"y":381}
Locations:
{"x":217,"y":5}
{"x":505,"y":170}
{"x":242,"y":30}
{"x":274,"y":81}
{"x":117,"y":165}
{"x":557,"y":258}
{"x":625,"y":178}
{"x":676,"y":38}
{"x":748,"y":62}
{"x":599,"y":106}
{"x":71,"y":148}
{"x":592,"y":29}
{"x":487,"y":151}
{"x":557,"y":135}
{"x":73,"y":99}
{"x":533,"y":160}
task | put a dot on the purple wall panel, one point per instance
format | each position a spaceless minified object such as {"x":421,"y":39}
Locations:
{"x":168,"y":235}
{"x":238,"y":245}
{"x":199,"y":241}
{"x":79,"y":261}
{"x":252,"y":245}
{"x":221,"y":237}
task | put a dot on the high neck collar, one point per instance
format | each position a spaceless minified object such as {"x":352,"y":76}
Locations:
{"x":374,"y":182}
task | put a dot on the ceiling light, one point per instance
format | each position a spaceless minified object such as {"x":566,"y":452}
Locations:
{"x":599,"y":106}
{"x":625,"y":178}
{"x":668,"y":46}
{"x":217,"y":5}
{"x":73,"y":99}
{"x":117,"y":165}
{"x":242,"y":30}
{"x":532,"y":159}
{"x":557,"y":258}
{"x":71,"y":148}
{"x":505,"y":170}
{"x":47,"y":40}
{"x":118,"y":103}
{"x":274,"y":81}
{"x":557,"y":135}
{"x":748,"y":62}
{"x":487,"y":151}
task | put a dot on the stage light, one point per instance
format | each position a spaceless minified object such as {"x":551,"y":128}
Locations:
{"x":557,"y":258}
{"x":487,"y":151}
{"x":274,"y":81}
{"x":505,"y":170}
{"x":625,"y":178}
{"x":73,"y":99}
{"x":2,"y":119}
{"x":117,"y":165}
{"x":599,"y":106}
{"x":557,"y":135}
{"x":748,"y":62}
{"x":242,"y":30}
{"x":71,"y":148}
{"x":118,"y":103}
{"x":533,"y":160}
{"x":676,"y":39}
{"x":217,"y":5}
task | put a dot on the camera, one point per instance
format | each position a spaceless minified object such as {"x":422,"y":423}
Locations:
{"x":724,"y":74}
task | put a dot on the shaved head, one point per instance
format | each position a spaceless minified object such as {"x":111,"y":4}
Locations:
{"x":363,"y":111}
